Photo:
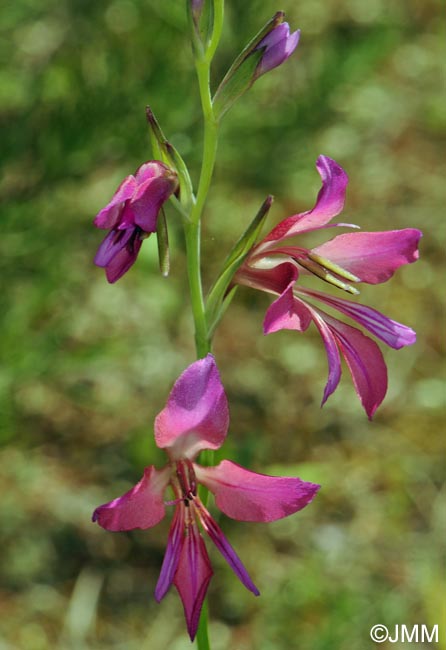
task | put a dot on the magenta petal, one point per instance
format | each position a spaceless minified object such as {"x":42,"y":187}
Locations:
{"x":287,"y":313}
{"x":109,"y":216}
{"x":196,"y":416}
{"x":365,"y":362}
{"x":172,"y":554}
{"x":394,"y":334}
{"x":149,"y":170}
{"x":372,"y":256}
{"x":147,"y":201}
{"x":140,"y":507}
{"x":329,"y":203}
{"x":333,"y":356}
{"x":248,"y":496}
{"x":192,"y":577}
{"x":216,"y":534}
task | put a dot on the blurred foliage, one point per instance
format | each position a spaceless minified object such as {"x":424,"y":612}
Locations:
{"x":86,"y":366}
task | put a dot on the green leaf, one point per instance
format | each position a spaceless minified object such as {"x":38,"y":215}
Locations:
{"x":163,"y":244}
{"x":166,"y":152}
{"x":217,"y":302}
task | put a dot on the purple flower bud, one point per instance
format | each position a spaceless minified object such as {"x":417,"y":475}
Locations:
{"x":278,"y":45}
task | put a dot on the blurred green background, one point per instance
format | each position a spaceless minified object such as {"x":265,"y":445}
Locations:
{"x":87,"y":366}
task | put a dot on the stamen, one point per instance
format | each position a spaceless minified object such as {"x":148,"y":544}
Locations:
{"x":321,"y":271}
{"x":331,"y":266}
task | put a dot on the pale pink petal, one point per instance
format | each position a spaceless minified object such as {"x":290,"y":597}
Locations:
{"x":248,"y":496}
{"x":287,"y":313}
{"x":365,"y":362}
{"x":329,"y":203}
{"x":372,"y":256}
{"x":109,"y":216}
{"x":196,"y":416}
{"x":192,"y":577}
{"x":216,"y":534}
{"x":140,"y":507}
{"x":172,"y":554}
{"x":394,"y":334}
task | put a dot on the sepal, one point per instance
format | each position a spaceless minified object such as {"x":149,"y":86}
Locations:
{"x":200,"y":14}
{"x":245,"y":69}
{"x":164,"y":150}
{"x":218,"y":293}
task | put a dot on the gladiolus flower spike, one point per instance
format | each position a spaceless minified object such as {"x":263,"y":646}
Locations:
{"x":275,"y":266}
{"x":195,"y":418}
{"x":131,"y":216}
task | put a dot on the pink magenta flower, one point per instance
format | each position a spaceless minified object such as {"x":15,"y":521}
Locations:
{"x":195,"y":418}
{"x":131,"y":216}
{"x":278,"y":46}
{"x":275,"y":266}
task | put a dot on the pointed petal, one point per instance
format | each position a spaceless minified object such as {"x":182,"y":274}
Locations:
{"x":248,"y":496}
{"x":216,"y":534}
{"x":394,"y":334}
{"x":279,"y":46}
{"x":329,"y":203}
{"x":333,"y":356}
{"x":172,"y":554}
{"x":196,"y":415}
{"x":287,"y":313}
{"x":192,"y":577}
{"x":365,"y":362}
{"x":372,"y":256}
{"x":140,"y":507}
{"x":109,"y":216}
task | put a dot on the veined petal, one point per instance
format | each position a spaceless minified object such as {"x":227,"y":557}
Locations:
{"x":111,"y":245}
{"x":372,"y":256}
{"x":274,"y":279}
{"x":196,"y":415}
{"x":365,"y":362}
{"x":172,"y":554}
{"x":394,"y":334}
{"x":248,"y":496}
{"x":333,"y":356}
{"x":140,"y":507}
{"x":287,"y":313}
{"x":329,"y":203}
{"x":192,"y":577}
{"x":109,"y":216}
{"x":216,"y":534}
{"x":124,"y":259}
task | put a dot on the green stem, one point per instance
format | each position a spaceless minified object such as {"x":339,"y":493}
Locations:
{"x":202,"y":631}
{"x":203,"y":337}
{"x":202,"y":340}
